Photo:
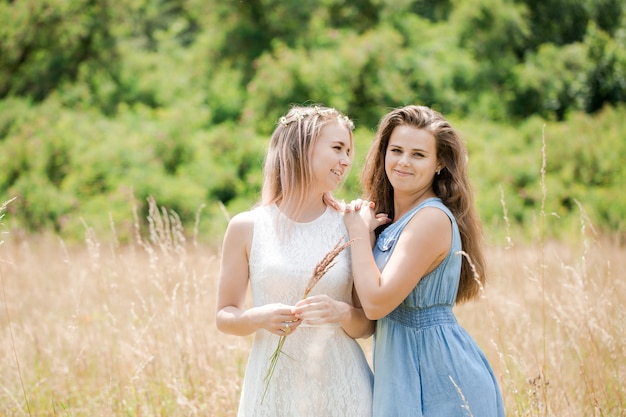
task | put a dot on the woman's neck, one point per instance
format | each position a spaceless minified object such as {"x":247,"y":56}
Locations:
{"x":405,"y":203}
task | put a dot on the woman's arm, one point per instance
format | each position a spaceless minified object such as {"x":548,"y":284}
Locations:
{"x":232,"y":316}
{"x":362,"y":327}
{"x":422,"y":245}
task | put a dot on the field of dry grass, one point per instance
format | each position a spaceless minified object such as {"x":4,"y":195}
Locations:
{"x":105,"y":329}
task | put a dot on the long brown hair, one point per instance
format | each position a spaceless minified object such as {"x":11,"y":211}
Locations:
{"x":287,"y":174}
{"x":451,"y":185}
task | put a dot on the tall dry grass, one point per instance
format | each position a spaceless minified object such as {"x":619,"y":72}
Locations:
{"x":105,"y":329}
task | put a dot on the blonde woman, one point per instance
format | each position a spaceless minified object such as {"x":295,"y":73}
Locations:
{"x":274,"y":248}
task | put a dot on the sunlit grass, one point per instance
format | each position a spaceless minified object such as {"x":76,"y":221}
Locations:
{"x":109,"y":330}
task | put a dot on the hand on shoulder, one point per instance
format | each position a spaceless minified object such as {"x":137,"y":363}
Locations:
{"x":362,"y":212}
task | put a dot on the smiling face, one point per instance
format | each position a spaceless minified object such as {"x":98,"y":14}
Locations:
{"x":331,"y":156}
{"x":411,"y":161}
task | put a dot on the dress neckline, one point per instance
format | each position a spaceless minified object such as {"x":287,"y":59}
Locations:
{"x":276,"y":209}
{"x":415,"y":208}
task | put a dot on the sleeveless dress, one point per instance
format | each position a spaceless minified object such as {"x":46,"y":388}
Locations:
{"x":324,"y":372}
{"x":425,"y":363}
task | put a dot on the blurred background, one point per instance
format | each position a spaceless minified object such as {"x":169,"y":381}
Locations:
{"x":131,"y":128}
{"x":105,"y":104}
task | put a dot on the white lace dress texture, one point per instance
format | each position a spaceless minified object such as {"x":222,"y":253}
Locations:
{"x":324,"y":372}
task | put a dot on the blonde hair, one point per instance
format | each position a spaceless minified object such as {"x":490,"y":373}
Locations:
{"x":287,"y":172}
{"x":451,"y":185}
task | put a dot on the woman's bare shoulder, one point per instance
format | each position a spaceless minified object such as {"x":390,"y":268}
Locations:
{"x":242,"y":222}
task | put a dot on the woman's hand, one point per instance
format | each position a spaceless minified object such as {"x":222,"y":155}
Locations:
{"x":321,"y":309}
{"x":277,"y":318}
{"x":360,"y":213}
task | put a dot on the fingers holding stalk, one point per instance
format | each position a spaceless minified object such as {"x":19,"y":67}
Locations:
{"x":277,"y":318}
{"x":321,"y":309}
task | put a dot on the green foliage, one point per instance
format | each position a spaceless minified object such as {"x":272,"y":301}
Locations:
{"x":587,"y":155}
{"x":584,"y":173}
{"x":45,"y":42}
{"x":538,"y":91}
{"x":607,"y":77}
{"x":563,"y":22}
{"x":104,"y":107}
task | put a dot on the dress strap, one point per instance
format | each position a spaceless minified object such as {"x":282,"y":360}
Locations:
{"x":420,"y":318}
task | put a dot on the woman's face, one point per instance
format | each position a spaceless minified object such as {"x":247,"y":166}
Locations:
{"x":411,"y":160}
{"x":332,"y":156}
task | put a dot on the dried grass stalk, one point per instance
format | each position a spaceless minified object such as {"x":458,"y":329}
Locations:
{"x":322,"y":267}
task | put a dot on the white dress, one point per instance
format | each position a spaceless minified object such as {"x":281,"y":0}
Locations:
{"x":324,"y":372}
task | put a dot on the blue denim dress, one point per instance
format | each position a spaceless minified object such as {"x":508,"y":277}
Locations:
{"x":425,"y":363}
